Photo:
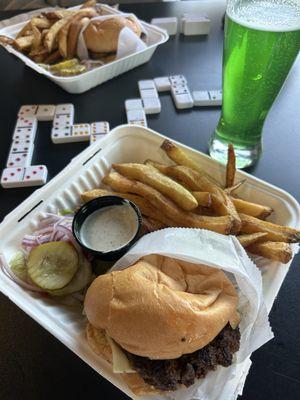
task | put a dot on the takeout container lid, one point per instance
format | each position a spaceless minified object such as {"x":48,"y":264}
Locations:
{"x":82,"y":83}
{"x":123,"y":144}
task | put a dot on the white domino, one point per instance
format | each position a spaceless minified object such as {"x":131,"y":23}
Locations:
{"x":195,"y":25}
{"x":182,"y":97}
{"x":152,"y":105}
{"x":45,"y":112}
{"x":98,"y":130}
{"x":146,"y":84}
{"x":162,"y":84}
{"x":20,"y":154}
{"x":25,"y":129}
{"x":178,"y":80}
{"x":136,"y":117}
{"x":34,"y":175}
{"x":64,"y":115}
{"x":204,"y":98}
{"x":133,"y":104}
{"x":170,"y":24}
{"x":71,"y":134}
{"x":27,"y":110}
{"x":215,"y":97}
{"x":148,"y":93}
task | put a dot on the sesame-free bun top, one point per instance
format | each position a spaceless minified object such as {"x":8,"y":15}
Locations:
{"x":102,"y":36}
{"x":162,"y":308}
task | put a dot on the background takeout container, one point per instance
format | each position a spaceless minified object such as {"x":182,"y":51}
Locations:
{"x":123,"y":144}
{"x":83,"y":82}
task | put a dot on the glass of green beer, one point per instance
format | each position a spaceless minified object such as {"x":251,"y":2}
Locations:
{"x":262,"y":40}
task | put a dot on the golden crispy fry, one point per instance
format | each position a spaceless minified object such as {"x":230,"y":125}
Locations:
{"x":63,"y":32}
{"x":230,"y":167}
{"x":90,"y":3}
{"x":52,"y":34}
{"x":151,"y":225}
{"x":37,"y":38}
{"x":4,"y":40}
{"x":155,"y":179}
{"x":53,"y":57}
{"x":276,"y":233}
{"x":179,"y":156}
{"x":25,"y":30}
{"x":166,"y":206}
{"x":145,"y":207}
{"x":203,"y":198}
{"x":39,"y":58}
{"x":72,"y":39}
{"x":41,"y":22}
{"x":39,"y":51}
{"x":24,"y":43}
{"x":231,"y":189}
{"x":221,"y":202}
{"x":253,"y":209}
{"x":277,"y":251}
{"x":58,"y":14}
{"x":251,"y":238}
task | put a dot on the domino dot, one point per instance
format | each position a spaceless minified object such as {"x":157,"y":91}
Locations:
{"x":12,"y":174}
{"x":11,"y":163}
{"x":5,"y":179}
{"x":19,"y":169}
{"x":34,"y":172}
{"x":28,"y":177}
{"x":24,"y":155}
{"x":55,"y":134}
{"x":14,"y":149}
{"x":41,"y":167}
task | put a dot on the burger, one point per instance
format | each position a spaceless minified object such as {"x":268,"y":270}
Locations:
{"x":102,"y":36}
{"x":163,"y":323}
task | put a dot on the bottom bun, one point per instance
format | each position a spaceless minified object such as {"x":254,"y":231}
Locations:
{"x":98,"y":343}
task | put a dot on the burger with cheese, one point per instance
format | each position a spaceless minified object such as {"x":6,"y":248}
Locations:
{"x":163,"y":323}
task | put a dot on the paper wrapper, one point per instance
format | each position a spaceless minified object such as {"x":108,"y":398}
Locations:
{"x":225,"y":252}
{"x":129,"y":42}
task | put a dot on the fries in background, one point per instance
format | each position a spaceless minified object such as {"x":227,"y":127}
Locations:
{"x":277,"y":251}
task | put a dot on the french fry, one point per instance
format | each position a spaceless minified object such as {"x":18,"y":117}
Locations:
{"x":145,"y":207}
{"x":230,"y":167}
{"x":275,"y":233}
{"x":231,"y":189}
{"x":63,"y":32}
{"x":53,"y":57}
{"x":24,"y":43}
{"x":203,"y":198}
{"x":166,"y":206}
{"x":277,"y":251}
{"x":253,"y":209}
{"x":221,"y":202}
{"x":27,"y":28}
{"x":90,"y":3}
{"x":41,"y":22}
{"x":150,"y":176}
{"x":151,"y":225}
{"x":37,"y":38}
{"x":51,"y":36}
{"x":251,"y":238}
{"x":58,"y":14}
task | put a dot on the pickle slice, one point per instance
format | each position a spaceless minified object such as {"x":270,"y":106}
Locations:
{"x":64,"y":64}
{"x":52,"y":265}
{"x":18,"y":265}
{"x":80,"y":280}
{"x":76,"y":70}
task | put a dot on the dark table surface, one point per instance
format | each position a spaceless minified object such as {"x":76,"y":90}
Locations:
{"x":33,"y":364}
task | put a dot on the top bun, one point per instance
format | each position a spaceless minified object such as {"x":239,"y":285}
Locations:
{"x":162,"y":308}
{"x":102,"y":36}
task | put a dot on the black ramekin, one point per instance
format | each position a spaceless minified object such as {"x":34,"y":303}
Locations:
{"x":94,"y":205}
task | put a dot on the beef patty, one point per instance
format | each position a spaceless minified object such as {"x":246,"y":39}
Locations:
{"x":170,"y":374}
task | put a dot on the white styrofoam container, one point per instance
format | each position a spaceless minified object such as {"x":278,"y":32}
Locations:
{"x":83,"y":82}
{"x":123,"y":144}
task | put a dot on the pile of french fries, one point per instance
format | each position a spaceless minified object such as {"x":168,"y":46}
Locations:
{"x":183,"y":195}
{"x":52,"y":36}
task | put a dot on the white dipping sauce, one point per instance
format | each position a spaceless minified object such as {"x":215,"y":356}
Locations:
{"x":109,"y":228}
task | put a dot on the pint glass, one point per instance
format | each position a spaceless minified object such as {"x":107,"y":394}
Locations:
{"x":262,"y":40}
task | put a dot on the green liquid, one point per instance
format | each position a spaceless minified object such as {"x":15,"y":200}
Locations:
{"x":255,"y":65}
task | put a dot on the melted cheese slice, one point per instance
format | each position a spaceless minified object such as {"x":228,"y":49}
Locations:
{"x":120,"y":362}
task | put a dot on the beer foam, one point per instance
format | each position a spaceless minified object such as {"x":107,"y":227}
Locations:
{"x":266,"y":15}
